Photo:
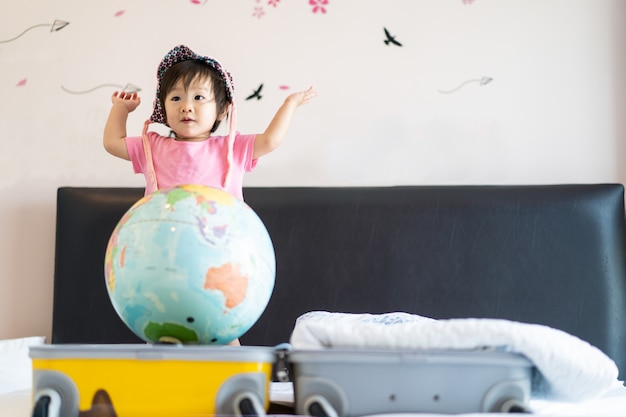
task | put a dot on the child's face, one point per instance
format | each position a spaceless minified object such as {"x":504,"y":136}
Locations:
{"x":191,"y":112}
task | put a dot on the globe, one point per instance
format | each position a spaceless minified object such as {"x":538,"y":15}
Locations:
{"x":190,"y":264}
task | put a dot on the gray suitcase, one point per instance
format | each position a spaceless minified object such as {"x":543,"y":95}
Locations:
{"x":356,"y":382}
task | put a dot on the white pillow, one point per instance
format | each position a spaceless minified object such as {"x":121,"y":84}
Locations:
{"x":15,"y":364}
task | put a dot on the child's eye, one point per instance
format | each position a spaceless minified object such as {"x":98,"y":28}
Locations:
{"x":175,"y":98}
{"x":199,"y":97}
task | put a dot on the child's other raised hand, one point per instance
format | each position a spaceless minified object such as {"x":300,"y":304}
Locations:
{"x":302,"y":97}
{"x":128,"y":100}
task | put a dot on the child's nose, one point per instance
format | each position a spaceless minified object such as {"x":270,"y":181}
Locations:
{"x":186,"y":106}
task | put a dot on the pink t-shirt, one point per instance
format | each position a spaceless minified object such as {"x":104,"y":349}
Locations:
{"x":179,"y":162}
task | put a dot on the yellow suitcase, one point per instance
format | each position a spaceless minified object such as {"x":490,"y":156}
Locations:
{"x":150,"y":380}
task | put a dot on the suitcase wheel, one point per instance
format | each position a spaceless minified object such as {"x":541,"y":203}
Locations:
{"x":507,"y":397}
{"x":47,"y":404}
{"x":513,"y":405}
{"x":318,"y":406}
{"x":248,"y":403}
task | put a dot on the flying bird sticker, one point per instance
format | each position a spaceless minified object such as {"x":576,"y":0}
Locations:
{"x":256,"y":94}
{"x":391,"y":40}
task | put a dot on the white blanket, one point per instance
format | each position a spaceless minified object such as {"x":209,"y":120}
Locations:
{"x":570,"y":369}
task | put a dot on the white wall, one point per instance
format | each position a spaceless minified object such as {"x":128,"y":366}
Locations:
{"x":552,"y":114}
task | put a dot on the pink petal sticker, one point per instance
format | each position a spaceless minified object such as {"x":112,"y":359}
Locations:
{"x":318,"y":5}
{"x":258,"y":12}
{"x":121,"y":12}
{"x":284,"y":87}
{"x":195,"y":1}
{"x":22,"y":83}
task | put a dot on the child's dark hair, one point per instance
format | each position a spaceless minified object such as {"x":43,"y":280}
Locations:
{"x":189,"y":70}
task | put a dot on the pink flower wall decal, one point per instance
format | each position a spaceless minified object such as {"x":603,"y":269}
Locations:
{"x":22,"y":83}
{"x":118,"y":14}
{"x":318,"y":5}
{"x":258,"y":12}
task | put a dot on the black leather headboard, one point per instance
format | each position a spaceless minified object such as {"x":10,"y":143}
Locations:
{"x":549,"y":254}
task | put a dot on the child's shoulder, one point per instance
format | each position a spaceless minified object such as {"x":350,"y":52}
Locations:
{"x":156,"y":137}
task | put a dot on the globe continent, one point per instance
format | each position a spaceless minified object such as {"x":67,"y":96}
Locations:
{"x":190,"y":264}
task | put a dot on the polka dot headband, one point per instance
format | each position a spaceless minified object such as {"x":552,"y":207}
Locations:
{"x":183,"y":53}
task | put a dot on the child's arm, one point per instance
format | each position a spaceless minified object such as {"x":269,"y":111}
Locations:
{"x":115,"y":129}
{"x":273,"y":136}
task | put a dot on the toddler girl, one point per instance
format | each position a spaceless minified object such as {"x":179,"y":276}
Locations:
{"x":194,"y":94}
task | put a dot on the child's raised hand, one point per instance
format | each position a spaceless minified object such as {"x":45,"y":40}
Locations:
{"x":129,"y":100}
{"x":302,"y":97}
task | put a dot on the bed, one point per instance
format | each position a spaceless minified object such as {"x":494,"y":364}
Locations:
{"x":546,"y":255}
